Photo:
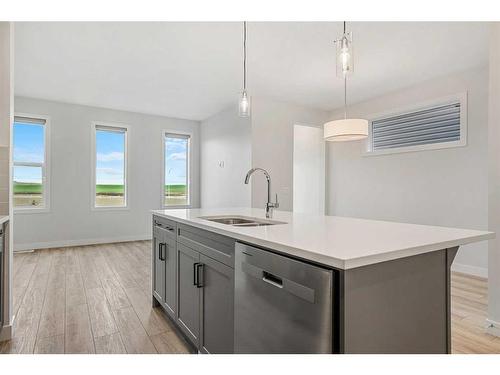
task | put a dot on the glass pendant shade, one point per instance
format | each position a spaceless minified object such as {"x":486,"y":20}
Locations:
{"x":344,"y":56}
{"x":244,"y":105}
{"x":351,"y":129}
{"x":244,"y":99}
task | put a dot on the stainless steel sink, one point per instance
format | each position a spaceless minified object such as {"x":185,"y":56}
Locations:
{"x":241,"y":221}
{"x":230,"y":220}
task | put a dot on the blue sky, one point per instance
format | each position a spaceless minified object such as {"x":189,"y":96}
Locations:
{"x":175,"y":161}
{"x":110,"y":162}
{"x":28,"y":147}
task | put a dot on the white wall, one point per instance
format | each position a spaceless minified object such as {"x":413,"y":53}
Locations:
{"x":226,"y":149}
{"x":308,"y":170}
{"x":272,"y":146}
{"x":446,"y":187}
{"x":494,"y":180}
{"x":71,"y":219}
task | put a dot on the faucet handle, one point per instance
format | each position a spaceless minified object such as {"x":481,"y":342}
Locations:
{"x":276,"y":204}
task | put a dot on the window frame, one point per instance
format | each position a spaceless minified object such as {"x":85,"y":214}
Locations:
{"x":46,"y":176}
{"x":459,"y":97}
{"x":189,"y":134}
{"x":93,"y":160}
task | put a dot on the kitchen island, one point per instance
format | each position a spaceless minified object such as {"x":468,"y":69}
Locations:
{"x":304,"y":283}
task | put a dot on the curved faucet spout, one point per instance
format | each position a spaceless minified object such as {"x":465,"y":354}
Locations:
{"x":251,"y":171}
{"x":269,"y":204}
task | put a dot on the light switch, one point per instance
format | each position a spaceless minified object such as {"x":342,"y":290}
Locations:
{"x":221,"y":163}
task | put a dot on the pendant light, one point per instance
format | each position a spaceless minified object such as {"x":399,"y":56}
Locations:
{"x":347,"y":129}
{"x":244,"y":101}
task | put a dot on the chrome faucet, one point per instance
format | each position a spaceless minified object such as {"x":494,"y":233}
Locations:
{"x":269,"y":205}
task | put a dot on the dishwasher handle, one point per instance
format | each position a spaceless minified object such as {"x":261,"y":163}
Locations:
{"x":272,"y":279}
{"x":290,"y":286}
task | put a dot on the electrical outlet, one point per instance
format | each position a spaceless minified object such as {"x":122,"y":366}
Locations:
{"x":221,"y":163}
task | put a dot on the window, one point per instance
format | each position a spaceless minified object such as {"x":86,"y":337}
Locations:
{"x":441,"y":124}
{"x":30,"y":174}
{"x":110,"y":166}
{"x":176,"y":189}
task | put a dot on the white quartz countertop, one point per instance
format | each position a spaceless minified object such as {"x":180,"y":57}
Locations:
{"x":340,"y":242}
{"x":3,"y":219}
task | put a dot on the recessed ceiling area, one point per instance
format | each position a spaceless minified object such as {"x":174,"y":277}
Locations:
{"x":193,"y":70}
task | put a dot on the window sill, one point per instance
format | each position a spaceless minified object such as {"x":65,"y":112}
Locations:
{"x":124,"y":208}
{"x":427,"y":147}
{"x":43,"y":210}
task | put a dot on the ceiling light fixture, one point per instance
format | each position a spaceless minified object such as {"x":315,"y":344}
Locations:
{"x":347,"y":129}
{"x":244,"y":102}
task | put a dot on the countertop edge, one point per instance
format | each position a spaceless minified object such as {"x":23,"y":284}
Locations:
{"x":329,"y":260}
{"x":412,"y":251}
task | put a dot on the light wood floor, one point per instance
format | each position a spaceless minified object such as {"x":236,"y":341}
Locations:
{"x":91,"y":299}
{"x":97,"y":299}
{"x":469,"y":305}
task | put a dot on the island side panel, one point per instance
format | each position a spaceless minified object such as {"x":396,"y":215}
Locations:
{"x":450,"y":255}
{"x":399,"y":306}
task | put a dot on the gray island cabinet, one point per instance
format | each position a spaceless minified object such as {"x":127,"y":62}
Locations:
{"x":262,"y":290}
{"x":193,"y":280}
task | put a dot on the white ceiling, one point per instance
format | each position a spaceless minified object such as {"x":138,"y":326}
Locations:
{"x":193,"y":70}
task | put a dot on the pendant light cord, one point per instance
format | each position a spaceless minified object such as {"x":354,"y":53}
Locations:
{"x":345,"y":96}
{"x":244,"y":55}
{"x":345,"y":87}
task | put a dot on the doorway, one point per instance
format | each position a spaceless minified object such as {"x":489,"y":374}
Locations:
{"x":308,"y":170}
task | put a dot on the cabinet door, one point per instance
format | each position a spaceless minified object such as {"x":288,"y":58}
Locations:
{"x":170,"y":277}
{"x":159,"y":265}
{"x":217,"y":314}
{"x":188,"y":315}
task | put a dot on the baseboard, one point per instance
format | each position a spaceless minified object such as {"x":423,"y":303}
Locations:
{"x":471,"y":270}
{"x":82,"y":242}
{"x":493,"y":327}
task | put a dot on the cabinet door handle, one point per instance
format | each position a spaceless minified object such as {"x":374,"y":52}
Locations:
{"x":195,"y":274}
{"x":162,"y":252}
{"x":200,"y":266}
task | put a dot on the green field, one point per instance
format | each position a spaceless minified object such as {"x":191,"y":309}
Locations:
{"x":34,"y":188}
{"x":175,"y":189}
{"x":27,"y":188}
{"x":109,"y":189}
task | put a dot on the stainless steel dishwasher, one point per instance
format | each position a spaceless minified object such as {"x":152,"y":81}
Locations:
{"x":281,"y":305}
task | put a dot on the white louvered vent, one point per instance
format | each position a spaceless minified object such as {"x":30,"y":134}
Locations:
{"x":429,"y":127}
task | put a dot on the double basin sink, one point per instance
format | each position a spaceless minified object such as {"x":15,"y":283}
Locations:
{"x":241,"y":221}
